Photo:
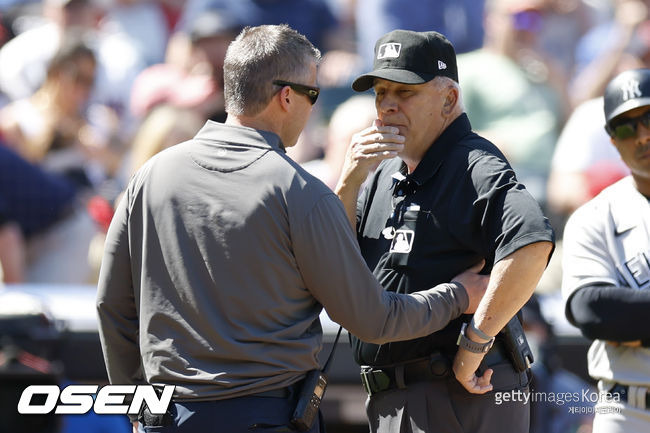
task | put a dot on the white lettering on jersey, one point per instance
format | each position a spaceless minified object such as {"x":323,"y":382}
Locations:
{"x":636,"y":270}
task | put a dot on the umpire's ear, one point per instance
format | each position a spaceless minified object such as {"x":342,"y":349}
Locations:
{"x":451,"y":100}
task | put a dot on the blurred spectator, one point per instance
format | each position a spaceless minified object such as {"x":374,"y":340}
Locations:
{"x":313,"y":18}
{"x":564,"y":23}
{"x":165,"y":126}
{"x":350,"y":117}
{"x":194,"y":66}
{"x":510,"y":91}
{"x":585,"y":161}
{"x":460,"y":20}
{"x":168,"y":84}
{"x":44,"y":231}
{"x":600,"y":53}
{"x":52,"y":127}
{"x":210,"y":35}
{"x":4,"y":30}
{"x":144,"y":25}
{"x":25,"y":58}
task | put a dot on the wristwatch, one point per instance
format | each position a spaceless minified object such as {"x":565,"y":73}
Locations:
{"x":470,"y":345}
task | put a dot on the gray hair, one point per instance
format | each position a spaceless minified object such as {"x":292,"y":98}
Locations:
{"x":258,"y":56}
{"x":442,"y":83}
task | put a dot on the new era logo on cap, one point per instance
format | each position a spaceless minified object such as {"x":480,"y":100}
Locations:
{"x":389,"y":51}
{"x":441,"y":65}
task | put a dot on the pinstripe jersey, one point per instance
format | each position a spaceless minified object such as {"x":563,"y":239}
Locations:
{"x":607,"y":241}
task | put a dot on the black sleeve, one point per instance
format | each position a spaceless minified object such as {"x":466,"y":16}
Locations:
{"x":504,"y":216}
{"x":612,"y":313}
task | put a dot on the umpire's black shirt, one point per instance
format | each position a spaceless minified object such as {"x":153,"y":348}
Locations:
{"x":461,"y":204}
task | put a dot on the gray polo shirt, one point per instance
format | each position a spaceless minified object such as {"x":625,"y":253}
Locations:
{"x":218,"y":261}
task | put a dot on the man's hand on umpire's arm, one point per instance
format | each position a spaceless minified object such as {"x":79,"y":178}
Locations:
{"x":475,"y":285}
{"x":367,"y":149}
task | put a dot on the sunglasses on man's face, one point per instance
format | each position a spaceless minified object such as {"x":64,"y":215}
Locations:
{"x":309,"y":91}
{"x":627,"y":128}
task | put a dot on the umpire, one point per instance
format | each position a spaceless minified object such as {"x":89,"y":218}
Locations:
{"x":450,"y":199}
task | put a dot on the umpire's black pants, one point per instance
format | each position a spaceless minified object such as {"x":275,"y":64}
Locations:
{"x":444,"y":406}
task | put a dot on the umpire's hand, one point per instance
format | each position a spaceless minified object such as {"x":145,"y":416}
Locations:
{"x":465,"y":365}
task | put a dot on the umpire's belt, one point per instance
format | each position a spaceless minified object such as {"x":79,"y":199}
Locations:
{"x":377,"y":379}
{"x":438,"y":366}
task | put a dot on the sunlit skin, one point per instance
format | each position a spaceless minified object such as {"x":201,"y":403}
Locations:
{"x":416,"y":110}
{"x":286,"y":114}
{"x":635,"y":151}
{"x":302,"y":108}
{"x":75,"y":86}
{"x":410,"y":117}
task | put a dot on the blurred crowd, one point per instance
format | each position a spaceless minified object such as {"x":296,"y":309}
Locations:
{"x":91,"y":89}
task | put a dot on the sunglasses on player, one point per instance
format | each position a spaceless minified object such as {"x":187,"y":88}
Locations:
{"x":627,"y":127}
{"x":309,"y":91}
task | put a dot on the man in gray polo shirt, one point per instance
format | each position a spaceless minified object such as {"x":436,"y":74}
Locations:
{"x":223,"y":252}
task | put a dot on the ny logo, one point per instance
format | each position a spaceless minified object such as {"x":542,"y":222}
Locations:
{"x":389,"y":51}
{"x":631,"y":90}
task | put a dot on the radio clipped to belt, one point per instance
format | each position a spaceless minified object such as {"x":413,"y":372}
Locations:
{"x":311,"y":394}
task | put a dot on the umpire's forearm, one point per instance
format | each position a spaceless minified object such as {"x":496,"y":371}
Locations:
{"x":512,"y":283}
{"x":348,"y":192}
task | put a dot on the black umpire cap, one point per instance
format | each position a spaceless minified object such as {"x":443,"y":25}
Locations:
{"x":410,"y":57}
{"x":626,"y":91}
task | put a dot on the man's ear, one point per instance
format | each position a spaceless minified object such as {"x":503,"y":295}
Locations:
{"x":451,"y":99}
{"x":284,"y":98}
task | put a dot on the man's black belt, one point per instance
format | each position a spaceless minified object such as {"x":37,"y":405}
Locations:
{"x":436,"y":366}
{"x":377,"y":379}
{"x":623,"y":392}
